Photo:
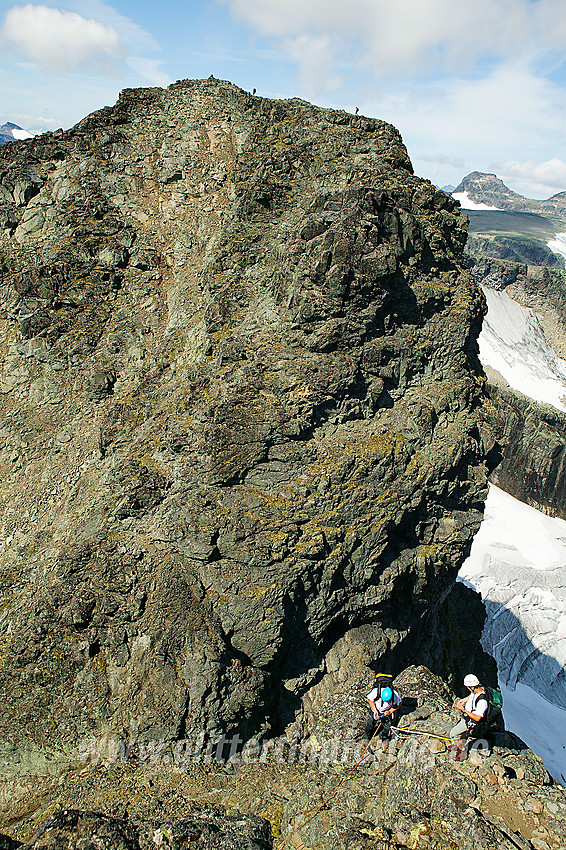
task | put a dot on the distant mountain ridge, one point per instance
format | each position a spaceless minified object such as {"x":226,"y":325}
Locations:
{"x":505,"y":225}
{"x":10,"y":132}
{"x":489,"y":189}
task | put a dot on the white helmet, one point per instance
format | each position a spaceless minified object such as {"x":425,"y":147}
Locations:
{"x":471,"y":681}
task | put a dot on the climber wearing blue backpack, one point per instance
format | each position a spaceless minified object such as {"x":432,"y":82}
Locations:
{"x":384,"y":704}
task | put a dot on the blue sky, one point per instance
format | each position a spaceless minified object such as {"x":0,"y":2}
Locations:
{"x":471,"y":84}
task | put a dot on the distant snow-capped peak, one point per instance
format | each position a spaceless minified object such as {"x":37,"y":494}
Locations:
{"x":10,"y":132}
{"x":480,"y":191}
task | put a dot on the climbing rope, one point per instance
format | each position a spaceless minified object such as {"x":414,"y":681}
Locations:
{"x":330,"y":796}
{"x":398,"y":730}
{"x":415,"y":732}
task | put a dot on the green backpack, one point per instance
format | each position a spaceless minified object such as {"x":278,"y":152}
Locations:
{"x":494,"y":706}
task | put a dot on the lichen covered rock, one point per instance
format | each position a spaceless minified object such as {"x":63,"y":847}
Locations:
{"x":208,"y":829}
{"x":326,"y":791}
{"x":240,"y":420}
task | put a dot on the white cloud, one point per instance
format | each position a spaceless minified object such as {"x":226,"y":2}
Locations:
{"x":414,"y":36}
{"x":510,"y":114}
{"x":63,"y":40}
{"x":550,"y":174}
{"x":315,"y":58}
{"x":58,"y":40}
{"x":137,"y":40}
{"x":486,"y":112}
{"x":25,"y":119}
{"x":444,"y":159}
{"x":135,"y":37}
{"x":149,"y":68}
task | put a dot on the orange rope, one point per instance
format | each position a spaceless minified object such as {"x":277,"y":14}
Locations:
{"x":324,"y":802}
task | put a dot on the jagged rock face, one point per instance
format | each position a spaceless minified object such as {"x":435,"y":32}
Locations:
{"x":534,"y":457}
{"x":532,"y":435}
{"x":240,"y":411}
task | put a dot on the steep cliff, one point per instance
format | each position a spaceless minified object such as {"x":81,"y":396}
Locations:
{"x":240,"y":396}
{"x":532,"y":467}
{"x":533,"y":435}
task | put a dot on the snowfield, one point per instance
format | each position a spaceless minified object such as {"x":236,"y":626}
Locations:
{"x":518,"y":557}
{"x":558,"y":244}
{"x":539,"y":724}
{"x":518,"y":564}
{"x":20,"y":134}
{"x":512,"y":341}
{"x":467,"y":204}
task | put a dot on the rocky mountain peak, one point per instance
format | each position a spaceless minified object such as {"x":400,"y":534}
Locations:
{"x":488,"y":189}
{"x":241,"y":416}
{"x":10,"y":132}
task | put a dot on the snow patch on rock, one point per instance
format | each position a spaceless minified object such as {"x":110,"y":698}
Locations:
{"x":21,"y":134}
{"x":512,"y":341}
{"x":467,"y":204}
{"x":558,"y":244}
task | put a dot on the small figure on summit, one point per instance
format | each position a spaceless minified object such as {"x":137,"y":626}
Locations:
{"x":384,"y":703}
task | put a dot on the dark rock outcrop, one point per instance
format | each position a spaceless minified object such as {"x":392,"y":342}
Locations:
{"x":209,"y":830}
{"x":241,"y":414}
{"x":533,"y":465}
{"x":7,"y":843}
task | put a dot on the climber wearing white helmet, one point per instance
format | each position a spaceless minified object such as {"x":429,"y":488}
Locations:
{"x":473,"y":709}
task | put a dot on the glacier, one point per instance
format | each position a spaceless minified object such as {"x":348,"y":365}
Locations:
{"x":512,"y":341}
{"x":518,"y":564}
{"x":518,"y":557}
